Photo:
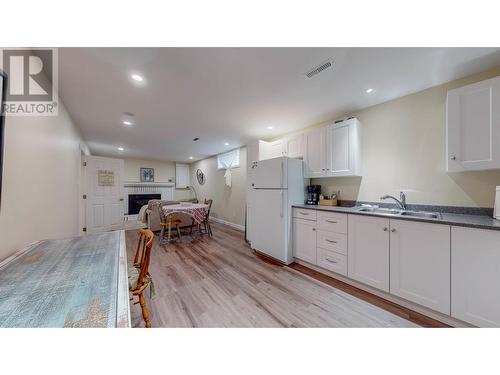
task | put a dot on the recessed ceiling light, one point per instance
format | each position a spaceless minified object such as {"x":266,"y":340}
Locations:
{"x":226,"y":144}
{"x":137,"y":77}
{"x":121,"y":149}
{"x":369,"y":91}
{"x":128,"y":123}
{"x":270,"y":127}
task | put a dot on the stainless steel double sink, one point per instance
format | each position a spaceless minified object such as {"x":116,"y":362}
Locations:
{"x":398,"y":212}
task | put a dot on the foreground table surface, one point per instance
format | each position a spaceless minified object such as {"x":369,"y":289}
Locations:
{"x":77,"y":282}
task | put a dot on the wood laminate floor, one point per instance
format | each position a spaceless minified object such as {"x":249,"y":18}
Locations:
{"x":221,"y":282}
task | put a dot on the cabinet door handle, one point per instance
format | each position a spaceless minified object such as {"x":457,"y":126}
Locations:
{"x":331,"y":221}
{"x":453,"y":157}
{"x":303,"y":213}
{"x":393,"y":230}
{"x":327,"y":240}
{"x":385,"y":229}
{"x":314,"y":229}
{"x":331,"y":261}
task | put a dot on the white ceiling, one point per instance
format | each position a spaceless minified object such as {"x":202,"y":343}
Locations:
{"x":232,"y":94}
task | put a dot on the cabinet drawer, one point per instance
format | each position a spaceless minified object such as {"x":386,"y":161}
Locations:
{"x":332,"y":222}
{"x":332,"y":241}
{"x":304,"y":214}
{"x":332,"y":261}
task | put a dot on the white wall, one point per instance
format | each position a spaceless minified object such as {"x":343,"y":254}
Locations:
{"x":228,"y":203}
{"x":164,"y":171}
{"x":403,"y":145}
{"x":40,"y":198}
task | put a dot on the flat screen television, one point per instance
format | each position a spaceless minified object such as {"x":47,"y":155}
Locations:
{"x":3,"y":93}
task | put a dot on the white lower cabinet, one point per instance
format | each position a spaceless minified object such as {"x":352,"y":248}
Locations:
{"x":332,"y":261}
{"x":475,"y":276}
{"x":420,"y":263}
{"x":451,"y":270}
{"x":304,"y":240}
{"x":332,"y":241}
{"x":368,"y":250}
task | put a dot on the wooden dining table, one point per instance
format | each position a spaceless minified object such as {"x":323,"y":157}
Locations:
{"x":197,"y":211}
{"x":73,"y":282}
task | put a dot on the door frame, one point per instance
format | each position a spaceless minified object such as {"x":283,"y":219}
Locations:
{"x":82,"y":209}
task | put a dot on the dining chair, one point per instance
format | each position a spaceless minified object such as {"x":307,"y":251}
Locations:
{"x":206,"y":222}
{"x":166,"y":223}
{"x":138,"y":272}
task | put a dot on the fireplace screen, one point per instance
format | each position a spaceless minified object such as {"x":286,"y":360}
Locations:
{"x":136,"y":201}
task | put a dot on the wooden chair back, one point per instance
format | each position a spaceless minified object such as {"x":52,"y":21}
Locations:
{"x":209,"y":202}
{"x":143,"y":254}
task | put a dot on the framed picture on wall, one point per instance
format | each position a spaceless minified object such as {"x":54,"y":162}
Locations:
{"x":3,"y":93}
{"x":147,"y":175}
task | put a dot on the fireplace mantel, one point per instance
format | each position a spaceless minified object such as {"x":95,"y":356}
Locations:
{"x":149,"y":184}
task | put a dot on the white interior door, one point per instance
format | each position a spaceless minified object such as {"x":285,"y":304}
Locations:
{"x":182,"y":176}
{"x":105,"y":194}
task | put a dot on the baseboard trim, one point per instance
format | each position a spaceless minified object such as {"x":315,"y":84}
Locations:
{"x":241,"y":228}
{"x":407,"y":305}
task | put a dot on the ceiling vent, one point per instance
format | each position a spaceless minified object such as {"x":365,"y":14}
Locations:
{"x":328,"y":64}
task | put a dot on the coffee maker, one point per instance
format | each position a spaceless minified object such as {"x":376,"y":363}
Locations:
{"x":313,"y":193}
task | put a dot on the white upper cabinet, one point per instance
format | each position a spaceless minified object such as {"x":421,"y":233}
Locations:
{"x":294,"y":146}
{"x":333,"y":151}
{"x":343,"y":155}
{"x":475,"y":276}
{"x":420,"y":263}
{"x":182,"y":176}
{"x":315,"y":153}
{"x":368,"y":250}
{"x":473,"y":126}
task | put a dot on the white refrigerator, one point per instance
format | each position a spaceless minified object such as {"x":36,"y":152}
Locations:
{"x":274,"y":186}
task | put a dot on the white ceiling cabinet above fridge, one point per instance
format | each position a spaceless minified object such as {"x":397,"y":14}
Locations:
{"x":334,"y":150}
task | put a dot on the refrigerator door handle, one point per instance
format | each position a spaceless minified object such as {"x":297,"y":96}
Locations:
{"x":281,"y":204}
{"x":282,"y":175}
